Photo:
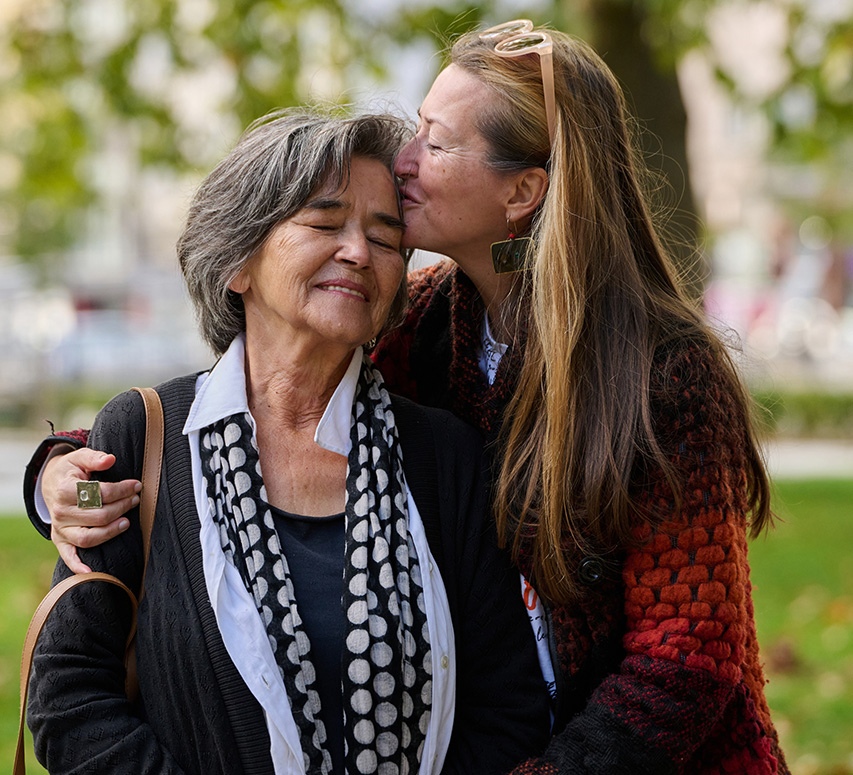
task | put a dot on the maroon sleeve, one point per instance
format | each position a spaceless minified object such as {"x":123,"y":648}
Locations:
{"x":688,"y":695}
{"x":392,"y":355}
{"x":76,"y":439}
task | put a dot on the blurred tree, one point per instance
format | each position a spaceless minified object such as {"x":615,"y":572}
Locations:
{"x":811,"y":113}
{"x":178,"y":79}
{"x":641,"y":43}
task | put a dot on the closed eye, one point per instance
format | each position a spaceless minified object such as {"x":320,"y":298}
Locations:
{"x":423,"y":130}
{"x":386,"y":243}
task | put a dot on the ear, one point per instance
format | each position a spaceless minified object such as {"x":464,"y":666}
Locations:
{"x":240,"y":283}
{"x":531,"y":185}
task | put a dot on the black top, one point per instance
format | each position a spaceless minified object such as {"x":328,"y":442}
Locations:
{"x":314,"y":548}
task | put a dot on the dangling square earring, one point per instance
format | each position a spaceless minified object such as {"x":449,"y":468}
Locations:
{"x":511,"y":254}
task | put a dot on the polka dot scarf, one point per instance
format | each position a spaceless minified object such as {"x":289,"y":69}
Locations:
{"x":387,"y":666}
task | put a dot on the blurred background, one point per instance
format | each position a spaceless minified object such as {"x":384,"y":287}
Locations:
{"x":113,"y":110}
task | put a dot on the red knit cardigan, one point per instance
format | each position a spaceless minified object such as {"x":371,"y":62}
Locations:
{"x":658,"y":661}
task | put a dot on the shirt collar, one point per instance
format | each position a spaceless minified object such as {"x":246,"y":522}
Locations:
{"x":221,"y":392}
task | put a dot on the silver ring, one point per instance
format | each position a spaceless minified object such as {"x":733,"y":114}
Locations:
{"x":89,"y":495}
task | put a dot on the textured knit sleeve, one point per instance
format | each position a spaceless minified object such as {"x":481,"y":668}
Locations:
{"x":393,"y":353}
{"x":78,"y":711}
{"x":76,"y":439}
{"x":689,"y":687}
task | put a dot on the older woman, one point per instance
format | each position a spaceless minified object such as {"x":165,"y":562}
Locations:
{"x":311,"y":603}
{"x":628,"y":473}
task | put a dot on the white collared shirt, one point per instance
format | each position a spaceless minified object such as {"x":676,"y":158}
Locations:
{"x":220,"y":393}
{"x":491,"y":351}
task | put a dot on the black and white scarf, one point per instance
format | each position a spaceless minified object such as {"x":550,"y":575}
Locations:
{"x":387,"y":664}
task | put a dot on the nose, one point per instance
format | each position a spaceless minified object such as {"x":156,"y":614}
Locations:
{"x":405,"y":166}
{"x":354,"y":249}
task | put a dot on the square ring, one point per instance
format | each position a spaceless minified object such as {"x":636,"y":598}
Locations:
{"x":89,"y":495}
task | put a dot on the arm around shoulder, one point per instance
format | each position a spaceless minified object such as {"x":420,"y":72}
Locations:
{"x":47,"y":448}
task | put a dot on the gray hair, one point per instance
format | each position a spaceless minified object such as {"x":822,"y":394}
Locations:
{"x":277,"y":164}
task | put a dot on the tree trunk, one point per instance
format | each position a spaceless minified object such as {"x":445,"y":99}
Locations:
{"x":655,"y":99}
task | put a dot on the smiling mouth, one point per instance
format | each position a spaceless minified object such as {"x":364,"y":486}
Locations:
{"x":348,"y":291}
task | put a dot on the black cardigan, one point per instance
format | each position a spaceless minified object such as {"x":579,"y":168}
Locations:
{"x":197,"y":714}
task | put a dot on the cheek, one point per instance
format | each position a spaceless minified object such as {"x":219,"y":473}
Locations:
{"x":396,"y":276}
{"x":392,"y":277}
{"x":454,"y":189}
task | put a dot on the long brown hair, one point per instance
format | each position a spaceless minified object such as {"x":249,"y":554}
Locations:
{"x":603,"y":298}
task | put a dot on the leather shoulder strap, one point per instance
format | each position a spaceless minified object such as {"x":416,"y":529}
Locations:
{"x":152,"y":463}
{"x":34,"y":630}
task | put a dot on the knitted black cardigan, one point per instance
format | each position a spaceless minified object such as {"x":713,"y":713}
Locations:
{"x":196,"y":713}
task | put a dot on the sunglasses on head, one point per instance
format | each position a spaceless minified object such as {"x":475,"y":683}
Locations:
{"x":517,"y":39}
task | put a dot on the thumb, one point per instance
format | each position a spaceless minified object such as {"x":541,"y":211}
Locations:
{"x":85,"y":461}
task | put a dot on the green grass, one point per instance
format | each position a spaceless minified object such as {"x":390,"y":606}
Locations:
{"x":26,"y":565}
{"x":802,"y":573}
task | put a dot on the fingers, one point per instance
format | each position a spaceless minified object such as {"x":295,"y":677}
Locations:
{"x":68,"y":553}
{"x":90,"y":527}
{"x":59,"y":489}
{"x":68,"y":536}
{"x":61,"y":473}
{"x":78,"y":464}
{"x":86,"y":537}
{"x":73,"y":527}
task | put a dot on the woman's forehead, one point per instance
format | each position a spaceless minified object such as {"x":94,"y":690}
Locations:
{"x":455,"y":100}
{"x":365,"y":177}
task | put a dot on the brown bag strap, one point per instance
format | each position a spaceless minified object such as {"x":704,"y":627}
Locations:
{"x":151,"y":466}
{"x":33,"y":632}
{"x":152,"y":463}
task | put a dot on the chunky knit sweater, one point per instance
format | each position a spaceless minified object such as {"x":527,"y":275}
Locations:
{"x":658,"y":664}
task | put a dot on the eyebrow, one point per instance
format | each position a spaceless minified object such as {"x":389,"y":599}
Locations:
{"x":324,"y":203}
{"x":392,"y":221}
{"x":431,"y":120}
{"x":330,"y":203}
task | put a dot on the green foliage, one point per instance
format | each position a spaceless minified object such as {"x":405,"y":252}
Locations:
{"x":806,"y":414}
{"x":83,"y":74}
{"x":672,"y":27}
{"x":175,"y":81}
{"x":820,"y":54}
{"x":810,"y":114}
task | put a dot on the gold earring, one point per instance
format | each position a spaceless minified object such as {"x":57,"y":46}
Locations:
{"x":511,"y":254}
